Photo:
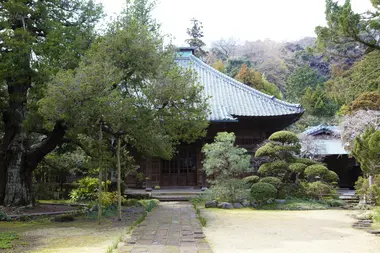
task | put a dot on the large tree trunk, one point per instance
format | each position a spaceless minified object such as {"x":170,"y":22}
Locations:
{"x":19,"y":177}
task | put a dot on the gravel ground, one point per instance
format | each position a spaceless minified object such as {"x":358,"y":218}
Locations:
{"x":243,"y":231}
{"x":80,"y":236}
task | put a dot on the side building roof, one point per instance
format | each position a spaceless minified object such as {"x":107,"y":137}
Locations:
{"x":229,"y":99}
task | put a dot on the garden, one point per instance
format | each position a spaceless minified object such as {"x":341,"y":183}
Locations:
{"x":72,"y":225}
{"x":284,"y":180}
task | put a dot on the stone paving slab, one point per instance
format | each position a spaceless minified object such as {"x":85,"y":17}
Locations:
{"x":172,"y":227}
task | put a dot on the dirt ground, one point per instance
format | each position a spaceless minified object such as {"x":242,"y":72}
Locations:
{"x":243,"y":231}
{"x":83,"y":235}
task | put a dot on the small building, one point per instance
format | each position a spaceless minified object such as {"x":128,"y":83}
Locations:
{"x":324,"y":142}
{"x":234,"y":107}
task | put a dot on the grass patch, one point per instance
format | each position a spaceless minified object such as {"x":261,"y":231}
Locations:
{"x":6,"y":239}
{"x":376,"y":217}
{"x":202,"y":220}
{"x":296,"y":204}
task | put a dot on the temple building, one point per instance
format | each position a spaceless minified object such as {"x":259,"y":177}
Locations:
{"x":234,"y":107}
{"x":324,"y":142}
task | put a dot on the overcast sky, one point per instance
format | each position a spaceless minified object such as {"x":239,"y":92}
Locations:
{"x":280,"y":20}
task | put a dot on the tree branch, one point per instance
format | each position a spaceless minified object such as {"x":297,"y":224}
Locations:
{"x":37,"y":154}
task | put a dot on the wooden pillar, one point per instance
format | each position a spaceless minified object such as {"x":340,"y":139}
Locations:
{"x":148,"y":174}
{"x":200,"y":166}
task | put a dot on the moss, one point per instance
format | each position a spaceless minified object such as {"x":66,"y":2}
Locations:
{"x":6,"y":239}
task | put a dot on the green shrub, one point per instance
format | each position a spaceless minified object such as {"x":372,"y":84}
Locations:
{"x":87,"y":190}
{"x":251,"y":180}
{"x":335,"y":202}
{"x":362,"y":188}
{"x":297,"y":167}
{"x":110,"y":199}
{"x":3,"y":216}
{"x":297,"y":204}
{"x":149,"y":204}
{"x":319,"y":189}
{"x":284,"y":137}
{"x":131,"y":202}
{"x":6,"y":239}
{"x":262,"y":192}
{"x":275,"y":181}
{"x":230,"y":190}
{"x":318,"y":172}
{"x":293,"y":191}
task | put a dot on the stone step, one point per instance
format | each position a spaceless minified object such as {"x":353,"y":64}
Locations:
{"x":173,"y":197}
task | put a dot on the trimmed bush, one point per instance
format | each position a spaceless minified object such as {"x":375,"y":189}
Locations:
{"x":292,"y":191}
{"x":297,"y":167}
{"x":273,"y":168}
{"x":306,"y":161}
{"x":262,"y":192}
{"x":319,"y":172}
{"x":284,"y":137}
{"x":3,"y":216}
{"x":318,"y":189}
{"x":275,"y":181}
{"x":251,"y":180}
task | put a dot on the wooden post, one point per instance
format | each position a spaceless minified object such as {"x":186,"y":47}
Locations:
{"x":118,"y":180}
{"x":100,"y":175}
{"x":148,"y":174}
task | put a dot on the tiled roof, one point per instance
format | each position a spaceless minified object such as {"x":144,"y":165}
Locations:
{"x":334,"y":130}
{"x":229,"y":98}
{"x":324,"y":145}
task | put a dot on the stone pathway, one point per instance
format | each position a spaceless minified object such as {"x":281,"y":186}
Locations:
{"x":171,"y":228}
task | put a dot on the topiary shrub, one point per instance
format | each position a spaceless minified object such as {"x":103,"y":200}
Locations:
{"x":274,"y":168}
{"x":262,"y":192}
{"x":284,"y":137}
{"x":318,"y":172}
{"x":250,"y":180}
{"x":291,"y":190}
{"x":275,"y":181}
{"x":319,"y":189}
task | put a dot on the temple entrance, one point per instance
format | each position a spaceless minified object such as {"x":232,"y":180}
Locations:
{"x":182,"y":169}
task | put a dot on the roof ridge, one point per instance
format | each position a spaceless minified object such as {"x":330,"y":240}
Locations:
{"x":241,"y":85}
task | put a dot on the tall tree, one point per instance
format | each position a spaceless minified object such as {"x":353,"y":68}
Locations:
{"x":196,"y":34}
{"x":147,"y":102}
{"x":37,"y":38}
{"x":301,"y":79}
{"x":366,"y":152}
{"x":347,"y":30}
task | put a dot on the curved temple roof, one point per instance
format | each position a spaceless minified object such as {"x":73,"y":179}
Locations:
{"x":229,"y":98}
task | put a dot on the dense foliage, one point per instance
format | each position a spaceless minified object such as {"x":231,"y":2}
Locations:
{"x":225,"y":162}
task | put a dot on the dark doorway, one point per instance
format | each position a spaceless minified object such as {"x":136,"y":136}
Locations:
{"x":346,"y":168}
{"x":182,"y":169}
